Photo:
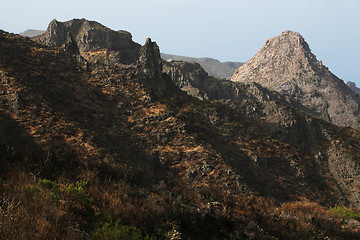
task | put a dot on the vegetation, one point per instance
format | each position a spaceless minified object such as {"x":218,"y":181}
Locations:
{"x":344,"y":213}
{"x":93,"y":153}
{"x":110,"y":231}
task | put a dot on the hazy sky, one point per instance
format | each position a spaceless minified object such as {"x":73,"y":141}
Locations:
{"x":229,"y":30}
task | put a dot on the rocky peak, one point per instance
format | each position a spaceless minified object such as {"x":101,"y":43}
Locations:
{"x":282,"y":58}
{"x":291,"y":38}
{"x":91,"y":35}
{"x":286,"y":64}
{"x":150,"y":65}
{"x":150,"y":60}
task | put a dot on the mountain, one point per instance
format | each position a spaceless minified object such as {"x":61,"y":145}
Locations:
{"x":212,"y":66}
{"x":353,"y":87}
{"x":32,"y":33}
{"x":94,"y":150}
{"x":285,"y":64}
{"x":91,"y":36}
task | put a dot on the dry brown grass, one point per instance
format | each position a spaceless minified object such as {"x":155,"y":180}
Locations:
{"x":26,"y":213}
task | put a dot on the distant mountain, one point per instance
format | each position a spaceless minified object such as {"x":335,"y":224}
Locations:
{"x":212,"y":66}
{"x":32,"y":33}
{"x":286,"y":65}
{"x":353,"y":87}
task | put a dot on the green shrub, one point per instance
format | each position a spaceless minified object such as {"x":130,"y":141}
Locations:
{"x":31,"y":190}
{"x":235,"y":236}
{"x":78,"y":188}
{"x":344,"y":213}
{"x":47,"y":183}
{"x":110,"y":231}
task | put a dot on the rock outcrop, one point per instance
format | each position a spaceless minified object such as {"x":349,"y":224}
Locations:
{"x":150,"y":60}
{"x":151,"y":67}
{"x":189,"y":77}
{"x":90,"y":36}
{"x":286,"y":65}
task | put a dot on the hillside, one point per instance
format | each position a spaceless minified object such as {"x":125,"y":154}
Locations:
{"x":213,"y":67}
{"x":285,"y":64}
{"x":91,"y":149}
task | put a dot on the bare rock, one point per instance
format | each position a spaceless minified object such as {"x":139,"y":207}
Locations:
{"x":151,"y":64}
{"x":150,"y":60}
{"x":286,"y":64}
{"x":89,"y":36}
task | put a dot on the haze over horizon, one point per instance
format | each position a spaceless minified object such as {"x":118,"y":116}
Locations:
{"x":228,"y":30}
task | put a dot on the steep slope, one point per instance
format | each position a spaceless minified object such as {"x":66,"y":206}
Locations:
{"x":286,"y":65}
{"x":85,"y":145}
{"x":91,"y":36}
{"x":212,"y":66}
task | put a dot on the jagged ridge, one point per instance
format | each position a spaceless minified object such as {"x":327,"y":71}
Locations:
{"x":91,"y":36}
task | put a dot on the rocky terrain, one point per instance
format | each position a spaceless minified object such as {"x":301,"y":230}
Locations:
{"x":213,"y":67}
{"x":286,"y":65}
{"x":94,"y":149}
{"x":91,"y":36}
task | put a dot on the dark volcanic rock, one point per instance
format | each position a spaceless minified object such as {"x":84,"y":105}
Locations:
{"x":70,"y":44}
{"x":150,"y":60}
{"x":286,"y":65}
{"x":90,"y":35}
{"x":188,"y":76}
{"x":195,"y":81}
{"x":151,"y":66}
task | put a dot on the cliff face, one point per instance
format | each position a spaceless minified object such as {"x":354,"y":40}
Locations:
{"x":188,"y":76}
{"x":91,"y":36}
{"x":286,"y":65}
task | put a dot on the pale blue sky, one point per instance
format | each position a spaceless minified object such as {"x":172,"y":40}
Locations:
{"x":229,"y":30}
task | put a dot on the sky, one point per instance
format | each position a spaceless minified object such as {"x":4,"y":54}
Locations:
{"x":228,"y":30}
